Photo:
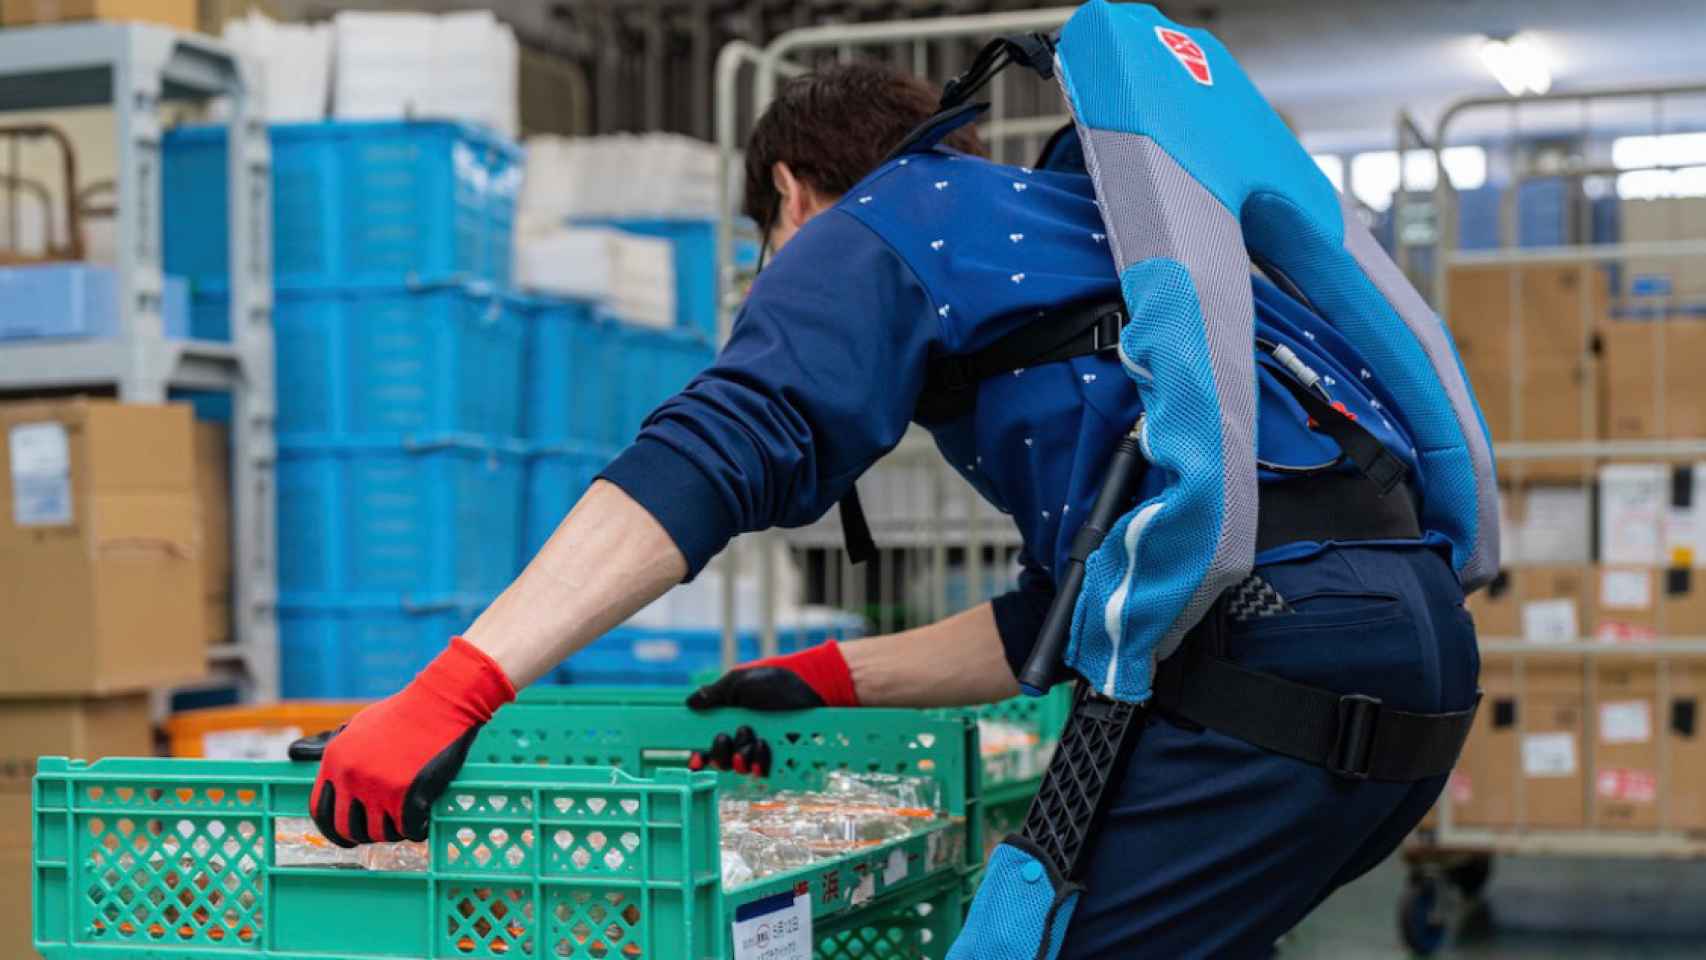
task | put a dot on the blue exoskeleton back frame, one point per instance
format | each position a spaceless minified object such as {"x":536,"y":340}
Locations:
{"x":1197,"y":177}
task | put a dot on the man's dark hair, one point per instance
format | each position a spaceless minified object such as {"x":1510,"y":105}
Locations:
{"x":834,"y":126}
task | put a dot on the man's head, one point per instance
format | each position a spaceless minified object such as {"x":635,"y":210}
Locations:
{"x":824,"y":132}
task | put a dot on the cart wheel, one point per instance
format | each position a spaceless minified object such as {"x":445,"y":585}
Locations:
{"x":1471,"y":875}
{"x":1419,"y":923}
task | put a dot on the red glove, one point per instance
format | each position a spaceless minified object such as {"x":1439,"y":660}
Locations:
{"x":814,"y":677}
{"x":381,"y":773}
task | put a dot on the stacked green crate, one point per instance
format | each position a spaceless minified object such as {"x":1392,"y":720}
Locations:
{"x":157,"y":859}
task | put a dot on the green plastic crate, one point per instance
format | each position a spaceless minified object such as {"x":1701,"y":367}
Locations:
{"x":173,"y":860}
{"x":644,"y":738}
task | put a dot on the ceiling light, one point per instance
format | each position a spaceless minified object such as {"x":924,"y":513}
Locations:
{"x":1518,"y":63}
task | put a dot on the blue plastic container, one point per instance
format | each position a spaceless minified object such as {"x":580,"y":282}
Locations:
{"x":556,"y":478}
{"x":1543,"y":213}
{"x":574,"y":385}
{"x":389,"y":364}
{"x":1478,"y":218}
{"x":632,"y":655}
{"x":655,"y":365}
{"x":353,"y":202}
{"x":359,"y":522}
{"x":77,"y":301}
{"x":336,"y":650}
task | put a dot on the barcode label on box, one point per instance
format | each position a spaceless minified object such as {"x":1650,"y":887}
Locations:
{"x":1550,"y":621}
{"x":1626,"y":589}
{"x":1549,"y":755}
{"x":41,"y":475}
{"x":1628,"y":786}
{"x":1625,"y":721}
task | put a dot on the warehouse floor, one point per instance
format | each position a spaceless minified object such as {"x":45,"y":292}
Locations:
{"x":1535,"y":908}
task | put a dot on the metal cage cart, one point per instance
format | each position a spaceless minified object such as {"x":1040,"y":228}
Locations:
{"x":1559,"y":290}
{"x":135,"y":68}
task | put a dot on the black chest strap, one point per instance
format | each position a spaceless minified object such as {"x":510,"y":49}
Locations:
{"x":1076,"y":330}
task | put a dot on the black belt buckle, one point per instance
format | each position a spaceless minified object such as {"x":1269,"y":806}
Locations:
{"x":1105,"y":335}
{"x":1352,"y":752}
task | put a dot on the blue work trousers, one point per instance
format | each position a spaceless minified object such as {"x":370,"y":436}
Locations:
{"x":1215,"y":848}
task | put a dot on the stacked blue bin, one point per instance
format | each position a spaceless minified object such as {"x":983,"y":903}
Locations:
{"x":400,"y":362}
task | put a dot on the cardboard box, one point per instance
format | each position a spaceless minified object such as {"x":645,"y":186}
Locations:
{"x":100,"y":562}
{"x":1523,"y":765}
{"x":172,"y":13}
{"x":1653,"y":389}
{"x":1483,"y":786}
{"x":1539,"y":604}
{"x":84,"y":728}
{"x":1628,"y":607}
{"x":1627,"y":782}
{"x":79,"y":727}
{"x":1527,"y":339}
{"x":1552,"y":715}
{"x":17,"y":872}
{"x":213,"y":503}
{"x":1685,"y":744}
{"x":1546,"y":524}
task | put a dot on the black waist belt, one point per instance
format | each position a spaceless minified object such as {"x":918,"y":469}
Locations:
{"x":1354,"y":736}
{"x":1343,"y":507}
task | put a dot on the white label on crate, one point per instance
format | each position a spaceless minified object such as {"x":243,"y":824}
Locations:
{"x":1550,"y":621}
{"x":1549,"y":755}
{"x":777,"y":927}
{"x":257,"y":743}
{"x":657,"y":650}
{"x":896,"y":869}
{"x":1626,"y":589}
{"x":1625,"y":721}
{"x":41,"y":475}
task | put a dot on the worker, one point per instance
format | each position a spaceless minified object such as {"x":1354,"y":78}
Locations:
{"x":905,"y":269}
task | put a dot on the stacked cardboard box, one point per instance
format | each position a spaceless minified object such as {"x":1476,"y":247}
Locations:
{"x":1538,"y":604}
{"x":1653,"y":388}
{"x":213,"y":506}
{"x":172,"y":13}
{"x":101,"y":580}
{"x":1526,"y":336}
{"x":1523,"y":764}
{"x":1564,"y":741}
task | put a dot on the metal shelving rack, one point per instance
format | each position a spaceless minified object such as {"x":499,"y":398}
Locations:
{"x":134,"y":68}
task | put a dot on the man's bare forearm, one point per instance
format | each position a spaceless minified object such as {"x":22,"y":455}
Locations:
{"x":607,"y":559}
{"x":952,"y":663}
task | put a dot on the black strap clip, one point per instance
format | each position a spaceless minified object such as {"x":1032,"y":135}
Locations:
{"x":1106,"y":333}
{"x":1352,"y":754}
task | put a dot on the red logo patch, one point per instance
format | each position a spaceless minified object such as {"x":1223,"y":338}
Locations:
{"x":1189,"y":55}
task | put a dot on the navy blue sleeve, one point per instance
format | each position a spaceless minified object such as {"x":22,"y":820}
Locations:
{"x":1019,"y":613}
{"x":819,"y":379}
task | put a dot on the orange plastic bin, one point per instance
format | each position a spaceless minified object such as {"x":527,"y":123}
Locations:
{"x":253,"y":733}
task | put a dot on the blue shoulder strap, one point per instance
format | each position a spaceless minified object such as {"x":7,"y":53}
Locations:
{"x":1197,"y":176}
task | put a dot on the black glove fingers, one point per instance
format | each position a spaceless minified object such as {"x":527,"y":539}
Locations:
{"x":325,"y":815}
{"x":358,"y":822}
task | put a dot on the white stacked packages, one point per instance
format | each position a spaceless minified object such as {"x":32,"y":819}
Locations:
{"x":620,"y":176}
{"x":698,"y":604}
{"x":460,"y":66}
{"x":295,"y":61}
{"x":630,"y":275}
